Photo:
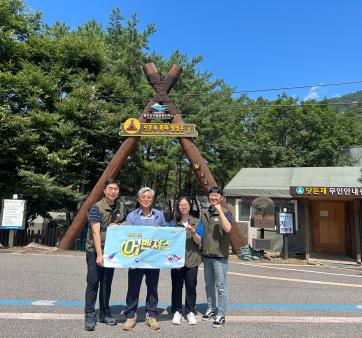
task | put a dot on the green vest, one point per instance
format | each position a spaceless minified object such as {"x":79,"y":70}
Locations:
{"x":192,"y":252}
{"x":216,"y":241}
{"x":108,"y":216}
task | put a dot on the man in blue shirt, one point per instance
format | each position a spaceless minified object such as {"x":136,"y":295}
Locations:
{"x":144,"y":215}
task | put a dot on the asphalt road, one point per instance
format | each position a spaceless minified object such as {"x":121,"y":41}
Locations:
{"x":41,"y":295}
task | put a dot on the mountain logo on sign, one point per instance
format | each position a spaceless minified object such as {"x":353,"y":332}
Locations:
{"x":299,"y":190}
{"x":159,"y":107}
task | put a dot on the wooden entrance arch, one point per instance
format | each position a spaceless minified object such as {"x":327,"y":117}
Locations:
{"x":162,"y":89}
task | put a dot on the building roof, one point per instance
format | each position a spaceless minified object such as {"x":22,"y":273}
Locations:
{"x":275,"y":182}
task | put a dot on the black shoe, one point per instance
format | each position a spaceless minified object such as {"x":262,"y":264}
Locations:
{"x":219,"y":321}
{"x":107,"y":318}
{"x":208,"y":315}
{"x":90,"y":321}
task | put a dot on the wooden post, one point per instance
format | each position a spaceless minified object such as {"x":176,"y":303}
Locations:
{"x":121,"y":155}
{"x":357,"y":232}
{"x":307,"y":223}
{"x":162,"y":89}
{"x":285,"y":242}
{"x":11,"y":238}
{"x":96,"y":194}
{"x":205,"y":177}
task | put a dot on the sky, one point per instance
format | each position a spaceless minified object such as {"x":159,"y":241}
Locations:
{"x":251,"y":44}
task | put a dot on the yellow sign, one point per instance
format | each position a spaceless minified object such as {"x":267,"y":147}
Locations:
{"x":196,"y":166}
{"x":132,"y":127}
{"x":134,"y":247}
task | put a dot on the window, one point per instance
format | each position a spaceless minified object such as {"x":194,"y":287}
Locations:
{"x":242,"y":210}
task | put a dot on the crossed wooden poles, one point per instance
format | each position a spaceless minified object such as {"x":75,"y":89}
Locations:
{"x":162,"y":89}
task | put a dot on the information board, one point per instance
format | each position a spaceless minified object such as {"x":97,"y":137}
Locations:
{"x":285,"y":223}
{"x":13,"y":214}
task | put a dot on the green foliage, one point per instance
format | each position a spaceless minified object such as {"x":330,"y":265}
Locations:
{"x":17,"y":25}
{"x":292,"y":135}
{"x":347,"y":103}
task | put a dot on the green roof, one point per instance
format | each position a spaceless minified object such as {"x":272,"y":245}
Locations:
{"x":275,"y":182}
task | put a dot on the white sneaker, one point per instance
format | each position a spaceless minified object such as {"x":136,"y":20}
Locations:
{"x":191,"y":318}
{"x":176,"y":320}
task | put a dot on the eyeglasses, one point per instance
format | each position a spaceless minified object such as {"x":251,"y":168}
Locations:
{"x":147,"y":198}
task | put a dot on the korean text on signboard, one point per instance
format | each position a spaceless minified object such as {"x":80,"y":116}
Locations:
{"x":285,"y":223}
{"x":13,"y":214}
{"x":132,"y":127}
{"x":262,"y":213}
{"x":145,"y":247}
{"x":310,"y":191}
{"x":158,"y":111}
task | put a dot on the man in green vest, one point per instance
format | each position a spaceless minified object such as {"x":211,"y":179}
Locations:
{"x":214,"y":228}
{"x":108,"y":210}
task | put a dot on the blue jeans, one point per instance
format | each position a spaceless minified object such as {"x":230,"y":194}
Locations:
{"x":215,"y":274}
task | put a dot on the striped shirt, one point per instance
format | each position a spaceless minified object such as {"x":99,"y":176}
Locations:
{"x":94,"y":215}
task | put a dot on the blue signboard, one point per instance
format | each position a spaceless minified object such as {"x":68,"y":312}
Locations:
{"x":147,"y":247}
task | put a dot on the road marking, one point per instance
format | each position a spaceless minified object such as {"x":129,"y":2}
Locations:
{"x":293,"y":319}
{"x":309,"y":271}
{"x":313,"y":307}
{"x":337,"y":267}
{"x":44,"y":302}
{"x":294,"y":280}
{"x":230,"y":319}
{"x":297,"y":280}
{"x":41,"y":316}
{"x":241,"y":262}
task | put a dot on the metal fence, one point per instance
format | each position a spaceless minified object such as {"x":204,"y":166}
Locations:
{"x":24,"y":237}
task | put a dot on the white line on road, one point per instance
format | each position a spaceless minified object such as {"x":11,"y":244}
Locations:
{"x":231,"y":319}
{"x":293,"y":319}
{"x":309,"y":271}
{"x":297,"y":280}
{"x":41,"y":316}
{"x":44,"y":302}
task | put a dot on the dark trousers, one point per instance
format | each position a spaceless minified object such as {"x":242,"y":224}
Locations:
{"x":178,"y":277}
{"x":97,"y":277}
{"x":135,"y":277}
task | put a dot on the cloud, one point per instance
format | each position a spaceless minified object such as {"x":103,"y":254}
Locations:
{"x":312,"y":94}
